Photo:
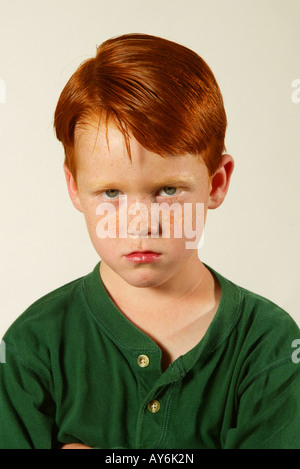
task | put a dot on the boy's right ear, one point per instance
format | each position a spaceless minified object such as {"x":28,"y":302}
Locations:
{"x":72,"y":188}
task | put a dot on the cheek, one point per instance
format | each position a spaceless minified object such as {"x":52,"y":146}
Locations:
{"x":187,"y":223}
{"x":91,"y":222}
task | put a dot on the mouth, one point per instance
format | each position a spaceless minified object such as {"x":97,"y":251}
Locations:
{"x":143,"y":256}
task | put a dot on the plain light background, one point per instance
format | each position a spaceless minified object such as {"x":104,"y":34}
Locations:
{"x":253,"y":49}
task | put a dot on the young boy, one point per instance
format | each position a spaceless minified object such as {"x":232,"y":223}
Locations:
{"x":152,"y":349}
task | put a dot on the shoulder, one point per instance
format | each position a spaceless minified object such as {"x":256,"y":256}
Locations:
{"x":48,"y":308}
{"x":265,"y":315}
{"x":260,"y":330}
{"x":39,"y":329}
{"x":267,"y":335}
{"x":253,"y":311}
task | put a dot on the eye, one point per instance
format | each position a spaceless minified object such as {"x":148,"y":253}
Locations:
{"x":168,"y":190}
{"x":111,"y":194}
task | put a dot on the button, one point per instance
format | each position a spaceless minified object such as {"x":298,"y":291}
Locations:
{"x":143,"y":361}
{"x":153,"y":406}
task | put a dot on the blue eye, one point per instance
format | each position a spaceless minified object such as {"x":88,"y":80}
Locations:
{"x":168,"y":190}
{"x":111,"y":193}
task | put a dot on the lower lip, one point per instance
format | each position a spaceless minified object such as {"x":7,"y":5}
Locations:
{"x":143,"y":257}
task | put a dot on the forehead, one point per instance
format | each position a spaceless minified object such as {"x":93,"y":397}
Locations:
{"x":101,"y":153}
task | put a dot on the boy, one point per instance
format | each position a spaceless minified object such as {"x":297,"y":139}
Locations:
{"x":153,"y":349}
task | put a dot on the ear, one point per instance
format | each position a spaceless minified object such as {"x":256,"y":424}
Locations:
{"x":72,"y":188}
{"x":220,"y":182}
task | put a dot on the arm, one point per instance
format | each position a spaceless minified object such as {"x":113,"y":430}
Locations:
{"x":269,"y":409}
{"x":27,"y":408}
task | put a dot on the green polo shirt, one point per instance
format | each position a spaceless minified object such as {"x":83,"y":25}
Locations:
{"x":77,"y":370}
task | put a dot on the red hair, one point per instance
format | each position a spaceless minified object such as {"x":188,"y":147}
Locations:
{"x":160,"y":91}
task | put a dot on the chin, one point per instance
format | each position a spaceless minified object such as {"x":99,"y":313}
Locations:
{"x":143,"y":278}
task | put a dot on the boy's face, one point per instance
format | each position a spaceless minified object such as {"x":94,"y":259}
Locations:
{"x":104,"y":174}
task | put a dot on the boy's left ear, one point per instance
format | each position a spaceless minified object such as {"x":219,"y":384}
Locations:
{"x":220,"y":181}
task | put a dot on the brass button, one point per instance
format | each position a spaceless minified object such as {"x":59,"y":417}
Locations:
{"x":153,"y":406}
{"x":143,"y":361}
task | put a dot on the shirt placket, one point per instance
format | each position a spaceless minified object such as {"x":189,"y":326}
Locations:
{"x":155,"y":391}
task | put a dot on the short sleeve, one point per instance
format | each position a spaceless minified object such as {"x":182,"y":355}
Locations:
{"x":27,"y":409}
{"x":268,"y":414}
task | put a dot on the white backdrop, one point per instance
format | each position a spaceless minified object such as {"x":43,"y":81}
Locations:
{"x":252,"y":47}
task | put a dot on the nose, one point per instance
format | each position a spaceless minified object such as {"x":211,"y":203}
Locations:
{"x":140,"y":222}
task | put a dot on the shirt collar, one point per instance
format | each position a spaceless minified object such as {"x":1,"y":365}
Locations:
{"x":126,"y":335}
